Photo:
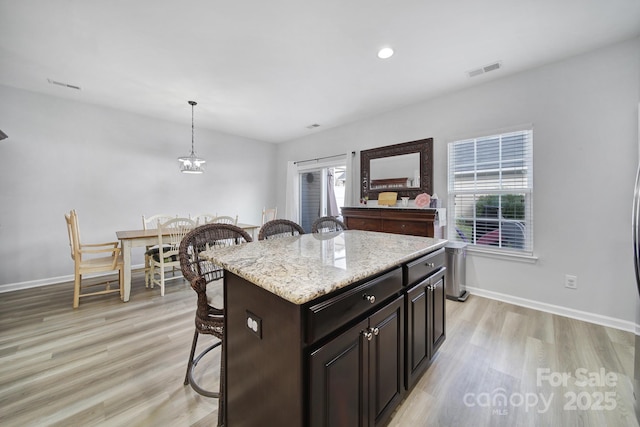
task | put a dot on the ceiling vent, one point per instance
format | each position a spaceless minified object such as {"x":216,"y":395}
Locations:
{"x":485,"y":69}
{"x":53,"y":82}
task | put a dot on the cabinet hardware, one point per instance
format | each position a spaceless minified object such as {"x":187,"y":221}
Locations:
{"x":369,"y":333}
{"x":430,"y":265}
{"x":370,"y":298}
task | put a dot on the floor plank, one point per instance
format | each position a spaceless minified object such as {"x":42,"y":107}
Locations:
{"x":109,"y":363}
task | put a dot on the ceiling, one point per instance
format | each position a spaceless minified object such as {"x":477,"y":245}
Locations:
{"x":269,"y":69}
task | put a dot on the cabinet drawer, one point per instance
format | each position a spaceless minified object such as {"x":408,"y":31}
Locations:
{"x":366,"y":224}
{"x":414,"y":228}
{"x":422,"y":267}
{"x":329,"y":315}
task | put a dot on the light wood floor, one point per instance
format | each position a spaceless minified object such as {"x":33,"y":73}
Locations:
{"x":109,"y":363}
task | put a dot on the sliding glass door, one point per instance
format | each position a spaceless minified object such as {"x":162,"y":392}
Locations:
{"x":322,"y":191}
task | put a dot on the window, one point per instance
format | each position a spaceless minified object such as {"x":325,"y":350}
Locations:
{"x":491,"y":192}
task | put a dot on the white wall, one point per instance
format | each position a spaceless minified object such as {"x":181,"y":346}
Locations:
{"x":112,"y":167}
{"x":585,"y":118}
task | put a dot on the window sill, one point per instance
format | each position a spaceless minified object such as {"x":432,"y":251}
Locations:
{"x":510,"y":256}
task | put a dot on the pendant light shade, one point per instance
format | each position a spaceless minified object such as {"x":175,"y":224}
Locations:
{"x":191,"y":163}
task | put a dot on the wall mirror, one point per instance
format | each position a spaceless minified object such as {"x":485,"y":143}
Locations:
{"x":405,"y":168}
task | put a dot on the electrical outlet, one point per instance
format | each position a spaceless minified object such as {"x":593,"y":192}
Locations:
{"x":254,"y":324}
{"x":570,"y":281}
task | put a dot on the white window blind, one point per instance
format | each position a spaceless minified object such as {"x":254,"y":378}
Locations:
{"x":491,"y":192}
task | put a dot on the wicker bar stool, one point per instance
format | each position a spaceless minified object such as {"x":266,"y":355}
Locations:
{"x":326,"y":224}
{"x":279,"y":228}
{"x":200,"y":272}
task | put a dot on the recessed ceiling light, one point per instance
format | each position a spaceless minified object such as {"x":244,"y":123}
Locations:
{"x":385,"y":52}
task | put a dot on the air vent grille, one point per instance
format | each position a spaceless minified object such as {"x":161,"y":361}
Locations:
{"x":485,"y":69}
{"x":70,"y":86}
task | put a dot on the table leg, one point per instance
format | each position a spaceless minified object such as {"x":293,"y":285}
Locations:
{"x":126,"y":255}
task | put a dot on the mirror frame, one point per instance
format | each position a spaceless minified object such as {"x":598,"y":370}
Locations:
{"x":423,"y":146}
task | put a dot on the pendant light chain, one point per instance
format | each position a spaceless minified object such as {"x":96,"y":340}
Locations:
{"x":192,"y":163}
{"x":192,"y":131}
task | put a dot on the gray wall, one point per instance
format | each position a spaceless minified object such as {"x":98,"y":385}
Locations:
{"x":585,"y":116}
{"x":112,"y":167}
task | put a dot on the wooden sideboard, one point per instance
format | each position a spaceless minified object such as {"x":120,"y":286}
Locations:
{"x":416,"y":222}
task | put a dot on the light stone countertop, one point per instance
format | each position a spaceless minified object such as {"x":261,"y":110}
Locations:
{"x":302,"y":268}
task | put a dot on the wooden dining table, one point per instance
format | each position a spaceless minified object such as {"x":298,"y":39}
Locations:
{"x":139,"y":238}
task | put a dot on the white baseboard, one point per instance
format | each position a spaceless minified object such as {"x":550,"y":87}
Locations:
{"x":523,"y":302}
{"x":49,"y":281}
{"x":598,"y":319}
{"x":35,"y":283}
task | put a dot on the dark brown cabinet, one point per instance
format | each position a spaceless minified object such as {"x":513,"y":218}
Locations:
{"x":416,"y":222}
{"x":357,"y":378}
{"x":343,"y":359}
{"x":425,"y":324}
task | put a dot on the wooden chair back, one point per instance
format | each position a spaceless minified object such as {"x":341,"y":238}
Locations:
{"x":269,"y":214}
{"x":224,"y":219}
{"x":171,"y":233}
{"x":152,"y":221}
{"x":203,"y":218}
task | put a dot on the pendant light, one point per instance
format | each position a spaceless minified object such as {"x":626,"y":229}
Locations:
{"x":191,"y":163}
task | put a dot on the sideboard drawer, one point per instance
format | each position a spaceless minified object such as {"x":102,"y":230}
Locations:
{"x":423,"y":267}
{"x":414,"y":228}
{"x":366,"y":224}
{"x":329,"y":315}
{"x":416,"y":222}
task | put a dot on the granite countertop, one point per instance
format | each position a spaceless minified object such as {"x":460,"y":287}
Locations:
{"x":302,"y":268}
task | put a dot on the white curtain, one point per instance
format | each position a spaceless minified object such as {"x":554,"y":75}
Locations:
{"x":292,"y":193}
{"x":351,"y":193}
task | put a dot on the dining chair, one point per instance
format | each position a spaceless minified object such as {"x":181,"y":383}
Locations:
{"x":279,"y":228}
{"x":92,"y":258}
{"x":151,"y":223}
{"x":203,"y":218}
{"x":203,"y":274}
{"x":170,"y":234}
{"x":224,"y":219}
{"x":327,"y":224}
{"x":269,"y":214}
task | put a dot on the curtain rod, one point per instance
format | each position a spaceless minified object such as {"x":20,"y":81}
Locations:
{"x":322,"y":158}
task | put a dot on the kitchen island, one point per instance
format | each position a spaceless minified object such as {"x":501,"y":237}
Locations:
{"x":317,"y":326}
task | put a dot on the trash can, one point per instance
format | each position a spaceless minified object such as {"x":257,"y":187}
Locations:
{"x":456,"y":274}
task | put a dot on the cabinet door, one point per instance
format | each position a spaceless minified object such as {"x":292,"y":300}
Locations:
{"x":386,"y":361}
{"x":437,"y":315}
{"x":339,"y":380}
{"x":417,"y":300}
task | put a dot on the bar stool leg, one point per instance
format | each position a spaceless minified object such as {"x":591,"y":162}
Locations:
{"x":193,"y":352}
